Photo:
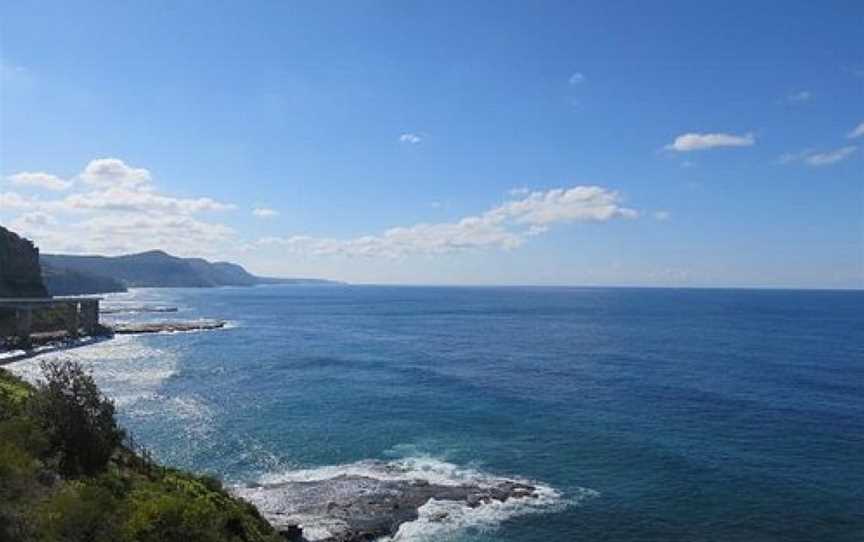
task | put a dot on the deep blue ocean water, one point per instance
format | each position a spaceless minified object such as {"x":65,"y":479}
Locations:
{"x":655,"y":414}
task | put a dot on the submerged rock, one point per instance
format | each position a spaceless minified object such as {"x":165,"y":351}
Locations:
{"x":352,"y":508}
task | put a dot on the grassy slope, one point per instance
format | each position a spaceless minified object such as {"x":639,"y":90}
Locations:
{"x":132,"y":499}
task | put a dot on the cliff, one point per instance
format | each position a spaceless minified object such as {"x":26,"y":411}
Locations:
{"x":62,"y":281}
{"x":20,"y":274}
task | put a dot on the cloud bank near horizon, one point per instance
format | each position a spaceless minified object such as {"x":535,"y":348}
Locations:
{"x":118,"y":208}
{"x":504,"y":227}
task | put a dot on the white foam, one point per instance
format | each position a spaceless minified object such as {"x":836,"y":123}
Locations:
{"x":425,"y":467}
{"x":443,"y":520}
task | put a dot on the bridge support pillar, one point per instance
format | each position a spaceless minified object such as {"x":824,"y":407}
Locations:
{"x":89,"y":315}
{"x":23,"y":323}
{"x":72,"y":321}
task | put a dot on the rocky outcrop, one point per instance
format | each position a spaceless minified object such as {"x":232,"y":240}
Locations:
{"x":20,"y":274}
{"x":351,"y":508}
{"x":168,"y":327}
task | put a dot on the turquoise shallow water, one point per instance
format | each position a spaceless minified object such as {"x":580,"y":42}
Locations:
{"x":650,"y":414}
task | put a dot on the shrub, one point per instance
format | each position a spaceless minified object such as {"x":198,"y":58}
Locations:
{"x":161,"y":516}
{"x":78,"y":419}
{"x":81,"y":512}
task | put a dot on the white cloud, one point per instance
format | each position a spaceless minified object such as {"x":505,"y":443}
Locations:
{"x":699,"y":142}
{"x":123,"y":199}
{"x":118,"y":209}
{"x":789,"y":157}
{"x":799,"y":97}
{"x":519,"y":191}
{"x":35,"y":219}
{"x":263,"y":212}
{"x":16,"y":202}
{"x":39,"y":179}
{"x":813,"y":158}
{"x":857,"y":132}
{"x":503,"y":227}
{"x":112,"y":172}
{"x":830,"y":157}
{"x":576,"y":79}
{"x":662,"y":215}
{"x":410,"y":138}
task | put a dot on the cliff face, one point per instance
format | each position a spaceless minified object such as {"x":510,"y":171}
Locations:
{"x":62,"y":281}
{"x":20,"y":274}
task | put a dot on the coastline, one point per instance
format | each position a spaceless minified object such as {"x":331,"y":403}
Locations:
{"x":9,"y":356}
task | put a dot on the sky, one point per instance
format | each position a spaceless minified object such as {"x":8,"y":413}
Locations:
{"x":686,"y":144}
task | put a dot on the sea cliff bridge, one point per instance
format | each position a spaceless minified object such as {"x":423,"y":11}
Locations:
{"x":26,"y":318}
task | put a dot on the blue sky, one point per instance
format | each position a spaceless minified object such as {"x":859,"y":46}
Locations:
{"x":612,"y":143}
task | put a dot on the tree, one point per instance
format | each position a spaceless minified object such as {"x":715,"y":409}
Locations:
{"x":77,"y":417}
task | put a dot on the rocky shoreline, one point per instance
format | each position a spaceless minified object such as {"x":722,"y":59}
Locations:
{"x":354,"y":508}
{"x":12,"y":350}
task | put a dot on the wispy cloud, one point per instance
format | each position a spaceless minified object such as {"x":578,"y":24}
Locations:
{"x":264,"y":212}
{"x":799,"y":97}
{"x":858,"y":131}
{"x":506,"y":226}
{"x":412,"y":139}
{"x":662,"y":215}
{"x":576,"y":79}
{"x":700,"y":142}
{"x":816,"y":159}
{"x":830,"y":157}
{"x":39,"y":179}
{"x":856,"y":71}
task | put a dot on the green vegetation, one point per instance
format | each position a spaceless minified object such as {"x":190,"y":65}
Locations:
{"x":67,"y":473}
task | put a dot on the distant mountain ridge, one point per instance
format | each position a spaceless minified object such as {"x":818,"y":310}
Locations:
{"x":157,"y":268}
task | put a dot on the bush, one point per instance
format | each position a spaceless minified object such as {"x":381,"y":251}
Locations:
{"x":81,"y":512}
{"x":160,"y":516}
{"x":78,"y":419}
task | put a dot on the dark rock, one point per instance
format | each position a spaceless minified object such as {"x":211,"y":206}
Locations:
{"x":20,"y":273}
{"x":292,"y":532}
{"x":357,"y":508}
{"x":168,"y":327}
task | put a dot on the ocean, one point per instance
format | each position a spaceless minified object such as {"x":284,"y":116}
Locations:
{"x":643,"y":414}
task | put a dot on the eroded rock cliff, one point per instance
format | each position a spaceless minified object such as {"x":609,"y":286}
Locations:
{"x":20,"y":274}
